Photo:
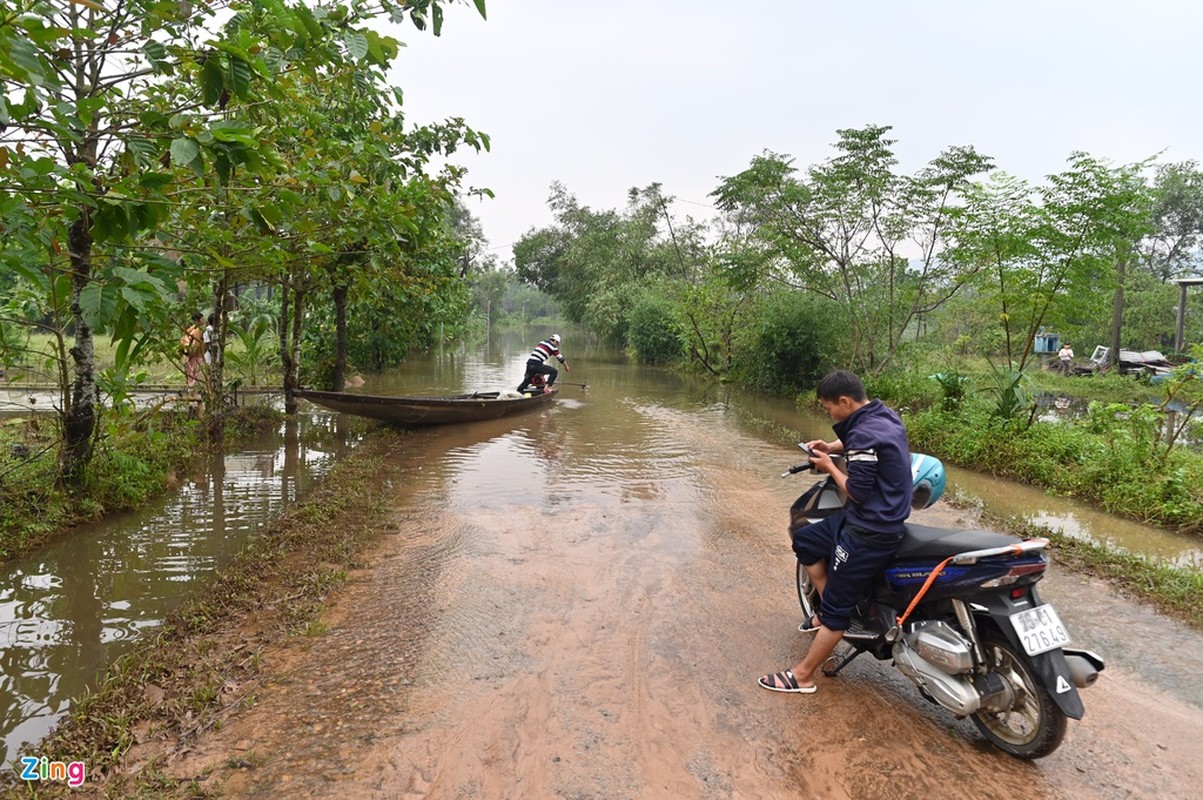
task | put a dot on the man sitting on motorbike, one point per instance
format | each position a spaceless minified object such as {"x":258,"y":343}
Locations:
{"x":844,"y":553}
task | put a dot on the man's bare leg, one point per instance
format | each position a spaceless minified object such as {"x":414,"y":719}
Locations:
{"x":817,"y":572}
{"x":804,"y":673}
{"x":825,"y":641}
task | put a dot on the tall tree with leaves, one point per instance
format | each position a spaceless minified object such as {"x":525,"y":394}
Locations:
{"x":591,"y":261}
{"x":353,"y":208}
{"x":1051,"y":254}
{"x":106,"y":136}
{"x":1171,"y":249}
{"x":854,"y":230}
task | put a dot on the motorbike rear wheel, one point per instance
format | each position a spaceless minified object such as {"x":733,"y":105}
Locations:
{"x":808,"y":596}
{"x":1034,"y":726}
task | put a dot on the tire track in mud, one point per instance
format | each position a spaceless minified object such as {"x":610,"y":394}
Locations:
{"x":610,"y":650}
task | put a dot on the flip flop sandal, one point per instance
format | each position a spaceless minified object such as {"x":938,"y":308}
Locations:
{"x":788,"y":683}
{"x":811,"y":625}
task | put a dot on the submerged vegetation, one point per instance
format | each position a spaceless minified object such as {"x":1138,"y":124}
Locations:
{"x":1110,"y":457}
{"x":1129,"y":458}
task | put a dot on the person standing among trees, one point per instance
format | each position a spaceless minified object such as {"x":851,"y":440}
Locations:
{"x":1066,"y":356}
{"x":210,"y":338}
{"x":536,"y":363}
{"x":192,"y":347}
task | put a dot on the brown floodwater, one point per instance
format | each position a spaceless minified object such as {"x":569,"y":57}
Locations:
{"x":71,"y":608}
{"x":576,"y":603}
{"x":571,"y":597}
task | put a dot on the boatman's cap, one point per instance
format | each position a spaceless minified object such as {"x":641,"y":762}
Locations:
{"x":555,"y":337}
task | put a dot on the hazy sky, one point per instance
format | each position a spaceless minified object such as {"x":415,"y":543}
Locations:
{"x":604,"y":96}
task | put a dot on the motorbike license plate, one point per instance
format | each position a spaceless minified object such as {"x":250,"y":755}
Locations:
{"x":1039,"y":630}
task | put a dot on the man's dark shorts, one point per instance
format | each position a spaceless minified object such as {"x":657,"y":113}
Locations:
{"x":853,"y":563}
{"x":534,"y":368}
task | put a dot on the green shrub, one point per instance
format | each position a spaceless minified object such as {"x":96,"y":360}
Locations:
{"x":132,"y":465}
{"x":954,"y":385}
{"x":1008,"y":389}
{"x":608,"y":314}
{"x":652,"y":331}
{"x":257,"y":353}
{"x":902,"y":388}
{"x":794,"y":339}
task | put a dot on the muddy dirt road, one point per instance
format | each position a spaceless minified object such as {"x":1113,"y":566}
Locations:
{"x":576,"y":610}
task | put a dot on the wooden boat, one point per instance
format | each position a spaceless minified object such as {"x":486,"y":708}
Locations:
{"x":412,"y":411}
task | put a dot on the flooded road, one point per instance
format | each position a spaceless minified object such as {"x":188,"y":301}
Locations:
{"x":576,"y":603}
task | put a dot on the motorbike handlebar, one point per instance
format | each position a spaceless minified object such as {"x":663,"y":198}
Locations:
{"x":794,"y":470}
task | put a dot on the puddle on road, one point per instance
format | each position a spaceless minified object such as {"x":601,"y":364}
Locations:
{"x":1078,"y":520}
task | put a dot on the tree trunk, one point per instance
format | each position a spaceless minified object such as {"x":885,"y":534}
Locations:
{"x":340,"y":337}
{"x":289,"y":380}
{"x":298,"y":313}
{"x":216,"y":382}
{"x":1117,"y":310}
{"x":79,"y":421}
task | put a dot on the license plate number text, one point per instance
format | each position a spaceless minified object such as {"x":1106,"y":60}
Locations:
{"x":1039,"y":630}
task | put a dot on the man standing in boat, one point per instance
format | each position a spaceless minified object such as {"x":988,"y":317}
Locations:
{"x":537,"y":364}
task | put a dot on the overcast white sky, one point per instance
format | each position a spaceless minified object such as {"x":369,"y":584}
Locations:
{"x":604,"y":96}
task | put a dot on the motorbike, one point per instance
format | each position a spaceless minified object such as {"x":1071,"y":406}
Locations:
{"x":958,"y":613}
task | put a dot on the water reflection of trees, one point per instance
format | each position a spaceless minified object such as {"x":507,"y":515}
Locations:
{"x":69,"y":610}
{"x":54,"y":641}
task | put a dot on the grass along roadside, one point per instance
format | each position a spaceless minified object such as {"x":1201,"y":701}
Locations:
{"x":1175,"y":591}
{"x":204,"y":660}
{"x":1111,"y":458}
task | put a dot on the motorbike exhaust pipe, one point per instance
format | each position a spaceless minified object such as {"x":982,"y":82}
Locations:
{"x":1083,"y":670}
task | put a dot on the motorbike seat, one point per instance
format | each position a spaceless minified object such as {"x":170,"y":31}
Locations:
{"x":925,"y":541}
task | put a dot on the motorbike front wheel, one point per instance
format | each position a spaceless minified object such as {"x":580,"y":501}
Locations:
{"x":808,"y":597}
{"x":1034,"y":726}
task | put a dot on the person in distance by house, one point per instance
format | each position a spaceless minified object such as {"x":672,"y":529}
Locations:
{"x":192,"y":348}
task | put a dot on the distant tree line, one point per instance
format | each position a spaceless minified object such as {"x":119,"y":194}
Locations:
{"x":853,"y":262}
